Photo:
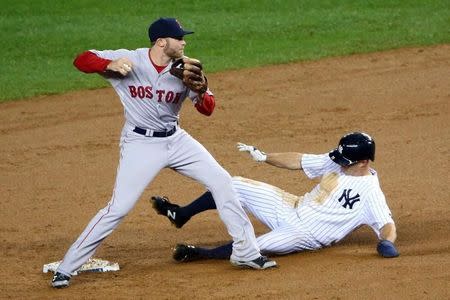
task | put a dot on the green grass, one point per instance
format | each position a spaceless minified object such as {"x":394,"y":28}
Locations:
{"x":40,"y":38}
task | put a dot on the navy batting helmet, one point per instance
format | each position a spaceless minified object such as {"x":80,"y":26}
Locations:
{"x":353,"y":147}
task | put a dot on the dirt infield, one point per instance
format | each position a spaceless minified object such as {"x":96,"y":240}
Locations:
{"x":60,"y":153}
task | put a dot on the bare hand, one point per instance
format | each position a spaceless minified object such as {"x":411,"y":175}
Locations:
{"x":122,"y":65}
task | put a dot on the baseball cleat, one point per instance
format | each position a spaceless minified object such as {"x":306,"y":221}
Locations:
{"x":260,"y":263}
{"x":60,"y":280}
{"x":185,"y":253}
{"x":163,"y":207}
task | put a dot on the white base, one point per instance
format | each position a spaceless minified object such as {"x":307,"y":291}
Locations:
{"x":92,"y":265}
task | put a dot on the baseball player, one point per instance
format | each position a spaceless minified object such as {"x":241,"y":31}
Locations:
{"x":152,"y":92}
{"x":347,"y":197}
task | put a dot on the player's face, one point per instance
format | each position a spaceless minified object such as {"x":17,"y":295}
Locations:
{"x":174,"y":47}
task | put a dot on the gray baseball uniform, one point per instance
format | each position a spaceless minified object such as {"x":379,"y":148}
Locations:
{"x":152,"y":102}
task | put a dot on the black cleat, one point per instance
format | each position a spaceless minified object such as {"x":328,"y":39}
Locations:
{"x":260,"y":263}
{"x":185,"y":253}
{"x":163,"y":207}
{"x":60,"y":280}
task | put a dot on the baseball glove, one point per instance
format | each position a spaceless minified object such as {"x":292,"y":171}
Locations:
{"x":190,"y":71}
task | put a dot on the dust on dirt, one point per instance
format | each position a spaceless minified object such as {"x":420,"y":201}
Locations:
{"x":60,"y":153}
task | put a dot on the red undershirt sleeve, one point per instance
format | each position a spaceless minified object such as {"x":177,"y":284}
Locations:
{"x":206,"y":105}
{"x":88,"y":62}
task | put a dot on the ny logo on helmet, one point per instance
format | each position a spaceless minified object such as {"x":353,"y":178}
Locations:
{"x":349,"y":201}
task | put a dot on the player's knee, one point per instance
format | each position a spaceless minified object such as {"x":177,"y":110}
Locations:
{"x":118,"y":208}
{"x":219,"y":178}
{"x":223,"y":188}
{"x":118,"y":212}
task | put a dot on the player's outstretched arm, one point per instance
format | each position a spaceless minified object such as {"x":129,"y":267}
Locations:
{"x":89,"y":62}
{"x":286,"y":160}
{"x":386,"y":247}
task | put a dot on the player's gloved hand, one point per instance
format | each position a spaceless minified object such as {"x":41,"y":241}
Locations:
{"x":256,"y":154}
{"x":190,"y":71}
{"x":387,"y":249}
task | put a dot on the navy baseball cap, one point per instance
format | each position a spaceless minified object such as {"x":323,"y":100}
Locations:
{"x":166,"y":27}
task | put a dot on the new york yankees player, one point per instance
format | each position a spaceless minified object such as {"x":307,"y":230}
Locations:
{"x":348,"y":196}
{"x":151,"y":140}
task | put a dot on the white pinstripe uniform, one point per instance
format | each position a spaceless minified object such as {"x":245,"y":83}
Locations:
{"x":335,"y":207}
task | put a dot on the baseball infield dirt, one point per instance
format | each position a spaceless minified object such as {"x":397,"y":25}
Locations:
{"x":60,"y":153}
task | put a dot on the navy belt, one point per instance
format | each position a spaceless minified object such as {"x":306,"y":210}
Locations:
{"x":151,"y":133}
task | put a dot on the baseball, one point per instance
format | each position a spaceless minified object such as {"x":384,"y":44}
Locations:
{"x":126,"y":67}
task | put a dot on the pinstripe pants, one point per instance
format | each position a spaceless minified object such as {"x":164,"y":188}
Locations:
{"x":277,"y":210}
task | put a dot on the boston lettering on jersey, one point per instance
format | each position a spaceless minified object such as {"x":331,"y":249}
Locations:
{"x":148,"y":93}
{"x":349,"y":201}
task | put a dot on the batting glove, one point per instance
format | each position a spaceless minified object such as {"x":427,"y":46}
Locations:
{"x":387,"y":249}
{"x":256,"y":154}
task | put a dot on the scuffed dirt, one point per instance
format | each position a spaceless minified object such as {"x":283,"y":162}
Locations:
{"x":60,"y":153}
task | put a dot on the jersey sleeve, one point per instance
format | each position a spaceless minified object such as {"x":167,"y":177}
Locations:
{"x":316,"y":165}
{"x":377,"y":212}
{"x":112,"y":54}
{"x":207,"y":104}
{"x":89,"y":62}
